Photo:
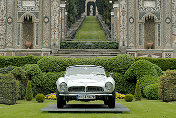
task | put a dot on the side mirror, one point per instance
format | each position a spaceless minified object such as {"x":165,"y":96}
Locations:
{"x":111,"y":74}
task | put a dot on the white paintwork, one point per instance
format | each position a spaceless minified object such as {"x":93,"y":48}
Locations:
{"x":86,"y":80}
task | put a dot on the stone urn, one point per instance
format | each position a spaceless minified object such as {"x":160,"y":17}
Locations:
{"x":28,"y":44}
{"x":149,"y":44}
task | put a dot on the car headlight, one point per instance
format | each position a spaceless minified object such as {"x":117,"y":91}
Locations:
{"x":109,"y":86}
{"x":63,"y":87}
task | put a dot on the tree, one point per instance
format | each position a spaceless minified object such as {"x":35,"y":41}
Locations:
{"x":29,"y":93}
{"x":137,"y":94}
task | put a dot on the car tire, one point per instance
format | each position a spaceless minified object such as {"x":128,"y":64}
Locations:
{"x":111,"y":100}
{"x":60,"y":100}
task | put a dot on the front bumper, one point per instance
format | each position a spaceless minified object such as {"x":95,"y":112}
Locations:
{"x":85,"y":94}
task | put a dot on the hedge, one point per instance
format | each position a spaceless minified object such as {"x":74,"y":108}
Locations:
{"x":163,"y":63}
{"x":167,"y":86}
{"x":45,"y":82}
{"x":9,"y":89}
{"x":18,"y":61}
{"x":141,"y":68}
{"x":89,"y":45}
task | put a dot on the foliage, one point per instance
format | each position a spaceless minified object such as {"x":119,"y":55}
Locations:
{"x":18,"y":61}
{"x":151,"y":92}
{"x":89,"y":45}
{"x":9,"y":89}
{"x":138,"y":94}
{"x":20,"y":75}
{"x":140,"y":68}
{"x":29,"y":93}
{"x":6,"y":70}
{"x":129,"y":97}
{"x":45,"y":82}
{"x":40,"y":98}
{"x":167,"y":86}
{"x":121,"y":84}
{"x":121,"y":63}
{"x":163,"y":63}
{"x":74,"y":9}
{"x":32,"y":70}
{"x":147,"y":80}
{"x":104,"y":8}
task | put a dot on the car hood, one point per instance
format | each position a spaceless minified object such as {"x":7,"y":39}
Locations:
{"x":85,"y":79}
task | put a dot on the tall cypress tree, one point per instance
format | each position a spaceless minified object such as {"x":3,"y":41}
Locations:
{"x":29,"y":93}
{"x":137,"y":94}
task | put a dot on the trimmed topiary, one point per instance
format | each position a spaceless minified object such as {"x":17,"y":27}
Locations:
{"x":40,"y":98}
{"x":151,"y":92}
{"x":29,"y":93}
{"x":20,"y":75}
{"x":138,"y":94}
{"x":32,"y":70}
{"x":121,"y":63}
{"x":6,"y":70}
{"x":128,"y":97}
{"x":141,"y":68}
{"x":147,"y":80}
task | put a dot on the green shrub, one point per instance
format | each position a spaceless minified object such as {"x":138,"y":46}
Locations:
{"x":128,"y":97}
{"x":163,"y":63}
{"x":45,"y":82}
{"x":20,"y":75}
{"x":141,"y":68}
{"x":18,"y":61}
{"x":122,"y":86}
{"x":9,"y":90}
{"x":120,"y":63}
{"x":7,"y":76}
{"x":90,"y":45}
{"x":29,"y":93}
{"x":32,"y":70}
{"x":138,"y":94}
{"x":6,"y":70}
{"x":40,"y":98}
{"x":167,"y":86}
{"x":49,"y":64}
{"x":151,"y":92}
{"x":147,"y":80}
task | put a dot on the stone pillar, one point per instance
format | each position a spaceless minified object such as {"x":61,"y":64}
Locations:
{"x":2,"y":23}
{"x":112,"y":26}
{"x":10,"y":23}
{"x":115,"y":21}
{"x":62,"y":8}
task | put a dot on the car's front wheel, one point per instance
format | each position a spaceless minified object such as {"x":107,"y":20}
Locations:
{"x":111,"y":100}
{"x":60,"y":100}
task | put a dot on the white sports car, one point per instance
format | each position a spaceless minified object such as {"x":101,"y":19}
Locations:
{"x":85,"y":83}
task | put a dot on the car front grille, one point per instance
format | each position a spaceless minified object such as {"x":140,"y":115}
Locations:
{"x":76,"y":89}
{"x":92,"y":89}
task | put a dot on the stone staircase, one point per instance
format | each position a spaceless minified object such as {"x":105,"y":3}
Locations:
{"x":84,"y":53}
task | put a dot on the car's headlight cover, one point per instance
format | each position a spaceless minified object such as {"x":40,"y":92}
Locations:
{"x":63,"y":87}
{"x":109,"y":86}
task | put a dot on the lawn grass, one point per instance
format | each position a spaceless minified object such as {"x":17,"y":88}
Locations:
{"x":139,"y":109}
{"x":90,"y":30}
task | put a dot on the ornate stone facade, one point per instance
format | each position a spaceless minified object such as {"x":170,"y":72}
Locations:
{"x":40,"y":22}
{"x":136,"y":23}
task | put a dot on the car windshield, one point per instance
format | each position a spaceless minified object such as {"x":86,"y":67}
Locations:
{"x":85,"y":71}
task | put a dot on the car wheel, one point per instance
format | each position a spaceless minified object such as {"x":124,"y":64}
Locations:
{"x":60,"y":100}
{"x":111,"y":101}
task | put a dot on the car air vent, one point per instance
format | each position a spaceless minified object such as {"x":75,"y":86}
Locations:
{"x":94,"y":89}
{"x":76,"y":89}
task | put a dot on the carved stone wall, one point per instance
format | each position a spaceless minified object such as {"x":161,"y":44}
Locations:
{"x":2,"y":23}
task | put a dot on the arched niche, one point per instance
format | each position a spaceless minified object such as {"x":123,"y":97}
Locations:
{"x":91,"y":5}
{"x":149,"y":23}
{"x":27,"y":30}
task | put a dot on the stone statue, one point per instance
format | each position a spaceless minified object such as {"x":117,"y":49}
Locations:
{"x":91,"y":10}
